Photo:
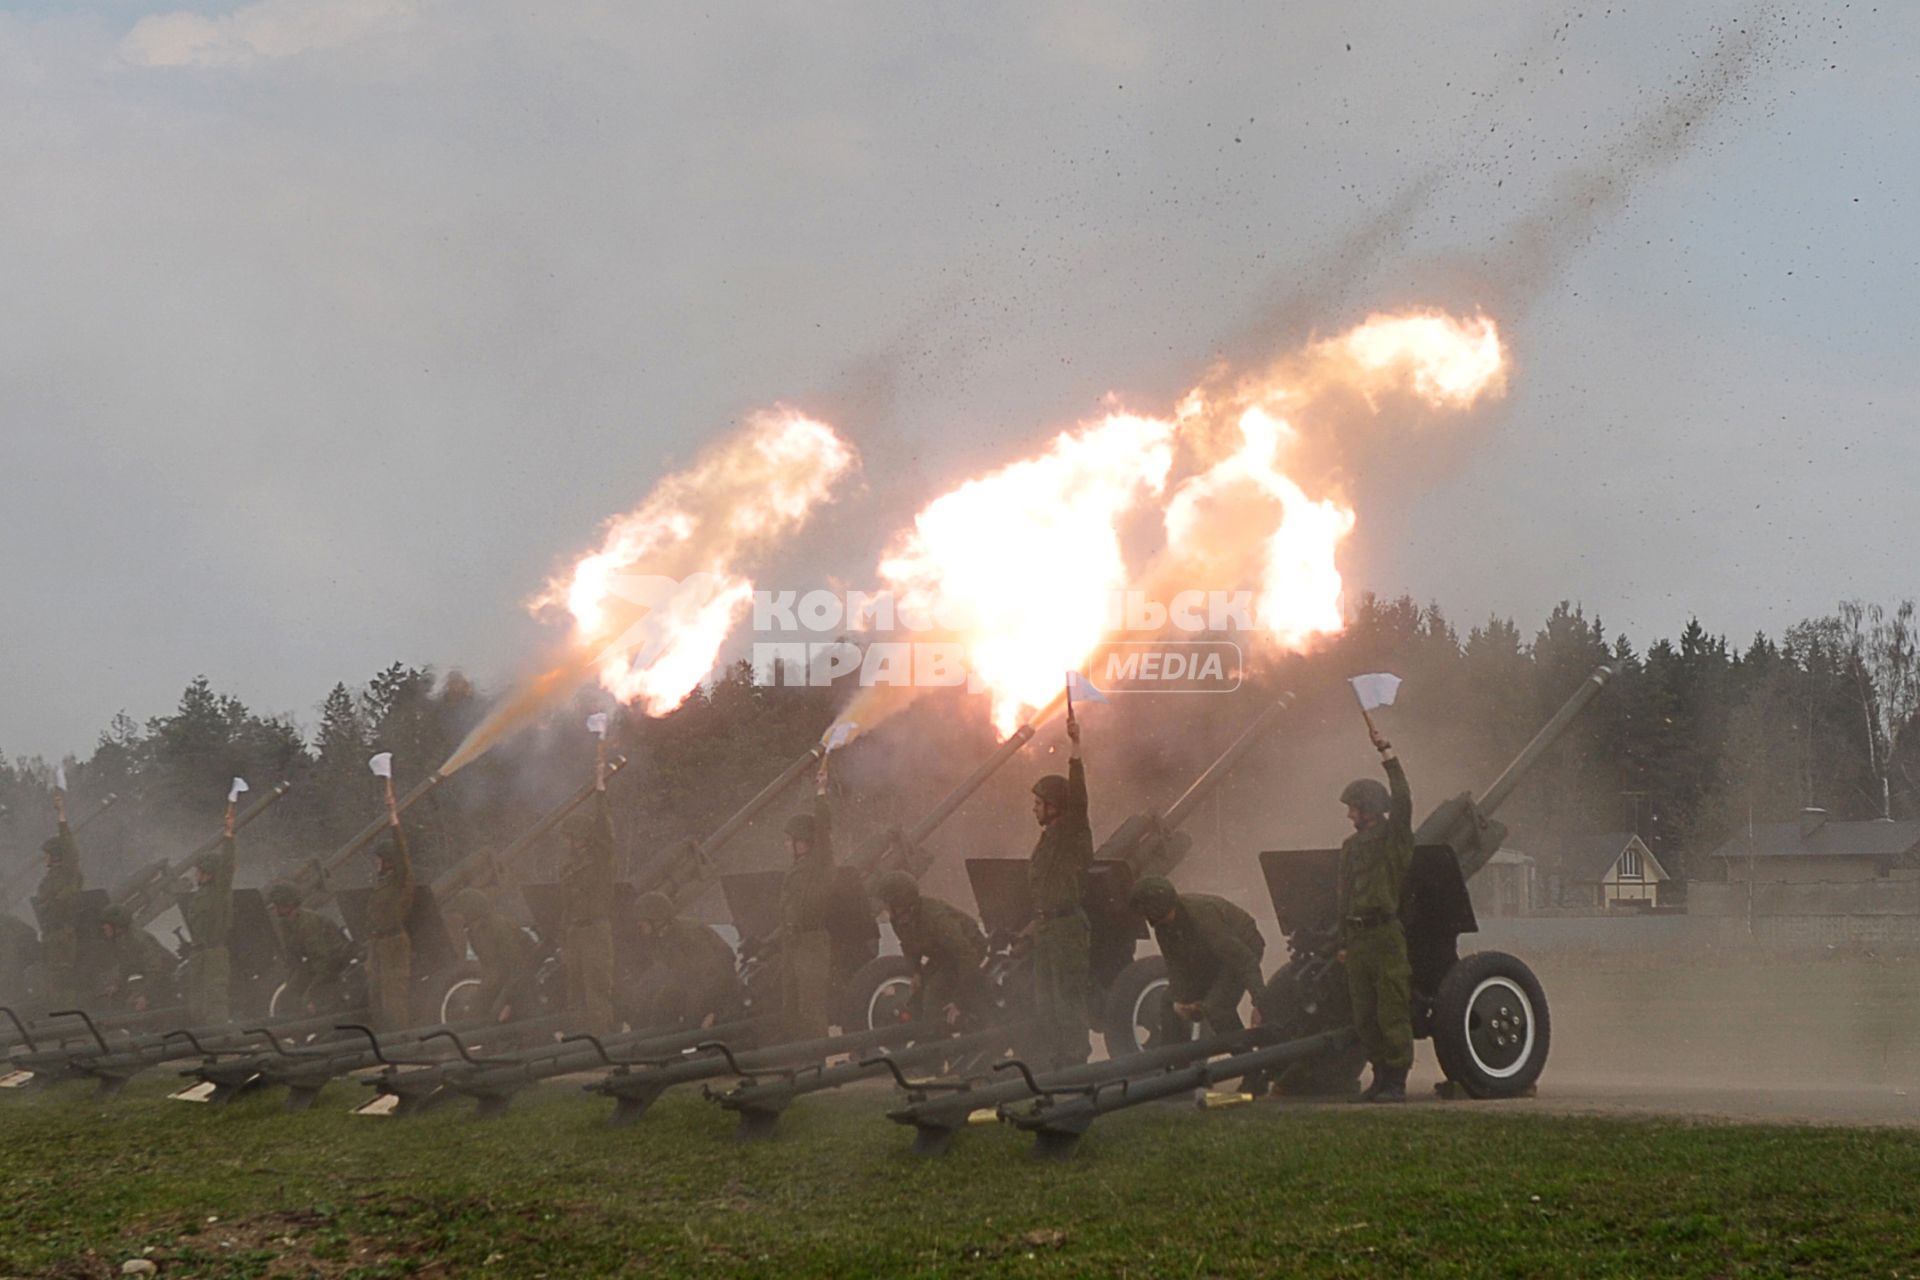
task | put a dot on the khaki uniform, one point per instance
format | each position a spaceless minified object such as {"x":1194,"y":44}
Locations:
{"x":1213,"y":950}
{"x":587,"y":892}
{"x":807,"y":898}
{"x":19,"y":958}
{"x":208,"y":912}
{"x":701,"y":979}
{"x":54,"y":904}
{"x":316,"y":952}
{"x":1062,"y":937}
{"x":507,"y":959}
{"x":946,"y":948}
{"x":389,"y":948}
{"x":1373,"y":873}
{"x":143,"y":969}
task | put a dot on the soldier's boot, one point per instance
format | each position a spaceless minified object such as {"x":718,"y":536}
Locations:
{"x":1389,"y":1085}
{"x":1377,"y":1083}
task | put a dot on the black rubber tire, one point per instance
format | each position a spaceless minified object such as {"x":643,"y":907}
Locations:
{"x":876,"y":987}
{"x":1131,"y":1020}
{"x":1491,"y":1028}
{"x":448,"y":987}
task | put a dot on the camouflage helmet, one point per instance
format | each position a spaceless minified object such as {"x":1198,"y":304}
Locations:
{"x":208,"y":862}
{"x":801,"y":826}
{"x":1153,"y":897}
{"x":654,"y":908}
{"x":1369,"y":795}
{"x":283,"y":894}
{"x":118,"y":917}
{"x":468,"y":904}
{"x":54,"y":847}
{"x":897,"y":890}
{"x":1054,"y":789}
{"x":578,"y":828}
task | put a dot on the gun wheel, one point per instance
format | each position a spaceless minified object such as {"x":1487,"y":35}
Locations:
{"x":1136,"y":1005}
{"x":1491,"y":1029}
{"x":459,"y":1002}
{"x":878,"y":994}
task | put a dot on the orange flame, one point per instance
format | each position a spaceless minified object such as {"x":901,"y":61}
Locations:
{"x":1022,"y":562}
{"x":1031,"y":555}
{"x":656,"y":602}
{"x":653,"y":606}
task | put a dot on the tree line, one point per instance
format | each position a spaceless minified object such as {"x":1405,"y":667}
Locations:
{"x":1696,"y":737}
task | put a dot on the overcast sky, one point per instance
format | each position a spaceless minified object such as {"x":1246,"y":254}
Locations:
{"x":330,"y":327}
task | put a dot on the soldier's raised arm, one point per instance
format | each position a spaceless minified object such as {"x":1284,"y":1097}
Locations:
{"x":1400,"y":806}
{"x":403,"y":857}
{"x":822,"y":812}
{"x":1074,"y":811}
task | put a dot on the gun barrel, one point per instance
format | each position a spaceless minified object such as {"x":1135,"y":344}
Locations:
{"x":733,"y":826}
{"x":99,"y":809}
{"x":1549,"y":733}
{"x":471,"y":868}
{"x":1183,"y":808}
{"x":15,"y":887}
{"x":148,"y":895}
{"x":680,"y":867}
{"x":868,"y":857}
{"x":313,"y":881}
{"x":972,"y":783}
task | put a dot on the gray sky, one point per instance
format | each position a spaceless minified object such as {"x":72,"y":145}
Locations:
{"x":332,"y":326}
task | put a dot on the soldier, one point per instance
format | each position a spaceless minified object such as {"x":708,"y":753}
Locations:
{"x":699,"y":981}
{"x":208,"y":911}
{"x":807,"y":898}
{"x":508,"y":958}
{"x":1373,"y":870}
{"x":389,"y":946}
{"x":315,"y":951}
{"x":55,"y":904}
{"x":142,"y":968}
{"x":1212,"y":949}
{"x":19,"y":958}
{"x":586,"y":887}
{"x":945,"y":947}
{"x":1062,"y":939}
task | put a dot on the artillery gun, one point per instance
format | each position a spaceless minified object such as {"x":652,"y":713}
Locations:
{"x":1148,"y":843}
{"x":1486,"y":1012}
{"x":15,"y":886}
{"x":871,"y":989}
{"x":148,"y":892}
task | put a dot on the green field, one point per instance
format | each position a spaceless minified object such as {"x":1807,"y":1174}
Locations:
{"x":1431,"y":1188}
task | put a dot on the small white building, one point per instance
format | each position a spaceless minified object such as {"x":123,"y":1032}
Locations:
{"x":1614,"y":870}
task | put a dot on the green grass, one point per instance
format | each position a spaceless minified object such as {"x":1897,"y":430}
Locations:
{"x":1431,"y":1189}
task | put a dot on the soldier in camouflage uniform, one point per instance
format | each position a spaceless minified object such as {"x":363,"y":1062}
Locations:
{"x":142,"y":969}
{"x":699,"y":981}
{"x":389,"y":946}
{"x":586,"y":886}
{"x":1373,"y":870}
{"x":19,"y":958}
{"x":315,"y":951}
{"x":1062,"y":938}
{"x":945,"y":947}
{"x":1212,"y":949}
{"x":55,"y":905}
{"x":507,"y":957}
{"x":208,"y":911}
{"x":807,"y":900}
